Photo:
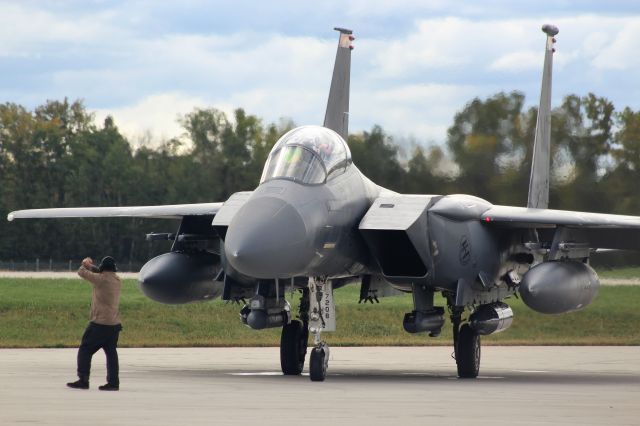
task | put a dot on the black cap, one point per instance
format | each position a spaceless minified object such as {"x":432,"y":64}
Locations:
{"x":108,"y":264}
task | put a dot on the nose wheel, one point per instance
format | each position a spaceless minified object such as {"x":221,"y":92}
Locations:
{"x":319,"y":362}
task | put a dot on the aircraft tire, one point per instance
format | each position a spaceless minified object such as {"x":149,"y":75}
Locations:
{"x":468,"y":353}
{"x":317,"y":365}
{"x":293,"y":348}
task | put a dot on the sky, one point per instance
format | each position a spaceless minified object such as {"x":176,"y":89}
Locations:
{"x":415,"y":63}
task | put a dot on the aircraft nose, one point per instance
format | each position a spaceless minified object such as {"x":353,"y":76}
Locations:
{"x":268,"y":239}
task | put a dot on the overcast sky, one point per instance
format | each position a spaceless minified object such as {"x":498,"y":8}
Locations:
{"x":414,"y":65}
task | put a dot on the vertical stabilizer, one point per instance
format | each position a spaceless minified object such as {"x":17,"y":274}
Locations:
{"x":337,"y":116}
{"x":539,"y":181}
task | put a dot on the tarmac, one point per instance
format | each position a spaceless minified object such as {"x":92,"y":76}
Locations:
{"x":373,"y":386}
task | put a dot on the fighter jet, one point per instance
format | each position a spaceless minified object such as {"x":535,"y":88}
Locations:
{"x":315,"y":223}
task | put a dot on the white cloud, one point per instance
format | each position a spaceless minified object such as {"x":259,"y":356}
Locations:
{"x":275,"y":76}
{"x":517,"y":61}
{"x":411,"y":81}
{"x":24,"y":28}
{"x":451,"y":43}
{"x":508,"y":44}
{"x":386,"y":8}
{"x":155,"y":116}
{"x":622,"y":52}
{"x":422,"y":111}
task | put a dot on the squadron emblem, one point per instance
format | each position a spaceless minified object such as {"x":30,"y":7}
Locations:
{"x":465,"y":251}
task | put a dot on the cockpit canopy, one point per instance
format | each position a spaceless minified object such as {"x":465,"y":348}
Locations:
{"x":308,"y":155}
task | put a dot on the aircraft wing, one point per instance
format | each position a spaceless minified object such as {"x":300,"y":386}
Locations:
{"x":540,"y":218}
{"x":598,"y":230}
{"x":402,"y":214}
{"x":176,"y":211}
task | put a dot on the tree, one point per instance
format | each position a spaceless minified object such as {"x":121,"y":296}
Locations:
{"x":236,"y":142}
{"x":56,"y":156}
{"x":486,"y":139}
{"x":621,"y":183}
{"x":583,"y":127}
{"x":377,"y":157}
{"x":423,"y":175}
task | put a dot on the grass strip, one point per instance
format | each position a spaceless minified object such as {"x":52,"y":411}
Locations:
{"x":54,"y":312}
{"x":619,"y":273}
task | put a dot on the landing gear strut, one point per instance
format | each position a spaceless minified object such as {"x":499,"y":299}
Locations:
{"x":294,"y":338}
{"x":319,"y":361}
{"x":466,"y":344}
{"x":317,"y":313}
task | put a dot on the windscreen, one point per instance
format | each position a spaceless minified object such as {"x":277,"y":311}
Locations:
{"x":297,"y":163}
{"x":309,"y":155}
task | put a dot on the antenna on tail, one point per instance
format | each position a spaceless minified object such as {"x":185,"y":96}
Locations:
{"x":337,"y":115}
{"x":539,"y":181}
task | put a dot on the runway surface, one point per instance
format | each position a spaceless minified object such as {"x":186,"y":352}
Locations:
{"x":397,"y":386}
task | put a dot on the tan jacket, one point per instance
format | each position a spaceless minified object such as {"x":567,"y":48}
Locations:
{"x":105,"y":297}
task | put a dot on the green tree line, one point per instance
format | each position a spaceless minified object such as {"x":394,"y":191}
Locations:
{"x":57,"y":156}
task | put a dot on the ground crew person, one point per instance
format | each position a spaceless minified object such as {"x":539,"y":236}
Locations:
{"x":104,"y":326}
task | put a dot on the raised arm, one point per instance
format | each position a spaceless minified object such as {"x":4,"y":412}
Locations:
{"x":89,"y":271}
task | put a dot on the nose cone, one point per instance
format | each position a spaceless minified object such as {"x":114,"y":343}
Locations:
{"x":268,"y":238}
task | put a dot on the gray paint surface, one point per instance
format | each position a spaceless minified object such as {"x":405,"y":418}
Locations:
{"x":526,"y":217}
{"x":539,"y":179}
{"x":176,"y":211}
{"x":337,"y":114}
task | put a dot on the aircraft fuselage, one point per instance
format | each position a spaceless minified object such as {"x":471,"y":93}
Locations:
{"x":288,"y":229}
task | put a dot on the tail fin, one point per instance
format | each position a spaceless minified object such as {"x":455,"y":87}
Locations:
{"x":539,"y":181}
{"x":337,"y":116}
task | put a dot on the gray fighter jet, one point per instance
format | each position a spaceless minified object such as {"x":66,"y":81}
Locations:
{"x":315,"y":223}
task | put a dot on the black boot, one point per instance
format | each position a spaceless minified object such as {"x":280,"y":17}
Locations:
{"x":81,"y":383}
{"x":109,"y":387}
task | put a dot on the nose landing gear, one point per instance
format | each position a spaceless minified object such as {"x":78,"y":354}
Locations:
{"x":317,"y":314}
{"x":321,"y":317}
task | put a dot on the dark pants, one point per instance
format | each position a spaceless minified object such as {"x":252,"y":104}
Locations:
{"x":96,"y":337}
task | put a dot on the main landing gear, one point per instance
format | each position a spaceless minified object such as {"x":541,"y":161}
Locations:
{"x":294,"y":338}
{"x":466,"y":344}
{"x":293,"y":347}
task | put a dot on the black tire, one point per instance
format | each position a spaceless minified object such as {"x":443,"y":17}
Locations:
{"x":317,"y":365}
{"x":293,"y":348}
{"x":468,"y":353}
